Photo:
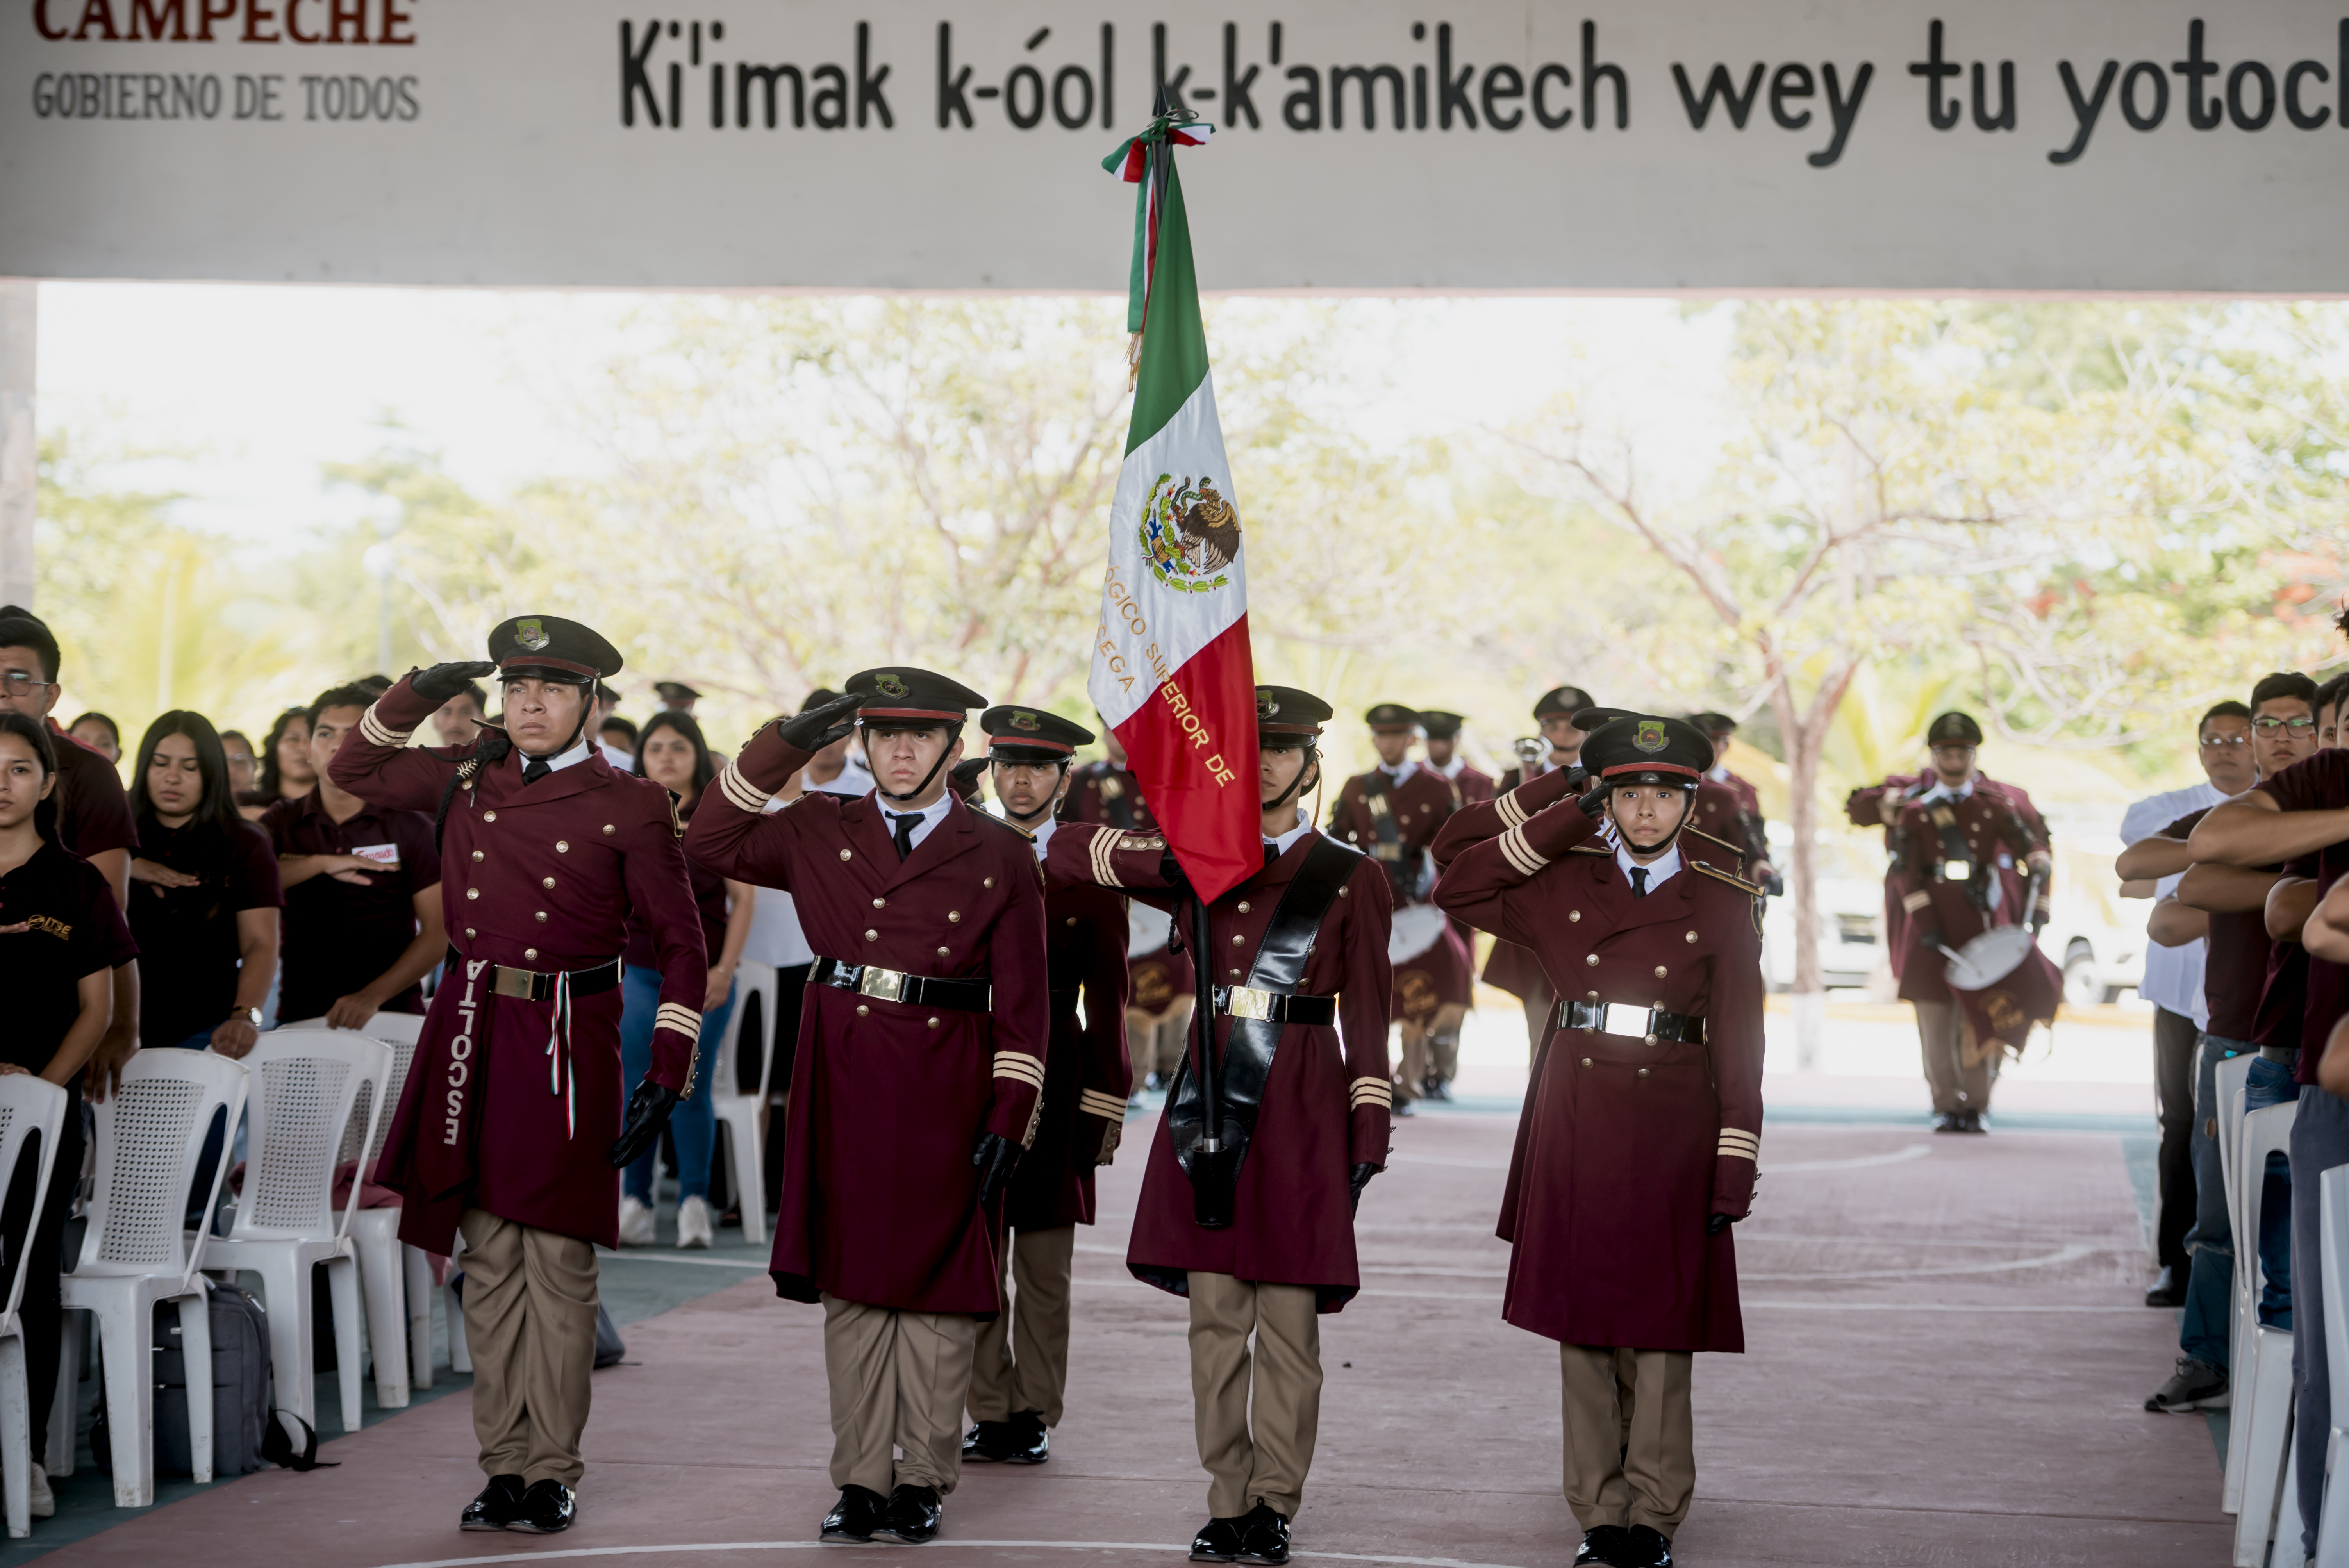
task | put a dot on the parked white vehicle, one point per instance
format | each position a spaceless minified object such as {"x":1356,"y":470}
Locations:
{"x":2094,"y":935}
{"x":1850,"y":915}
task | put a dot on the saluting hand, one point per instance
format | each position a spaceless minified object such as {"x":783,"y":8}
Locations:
{"x":818,"y":727}
{"x":444,"y":681}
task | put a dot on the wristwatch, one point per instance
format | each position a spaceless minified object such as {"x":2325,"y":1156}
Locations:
{"x":250,"y":1015}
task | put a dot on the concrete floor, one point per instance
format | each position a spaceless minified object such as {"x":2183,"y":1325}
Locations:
{"x":1946,"y":1366}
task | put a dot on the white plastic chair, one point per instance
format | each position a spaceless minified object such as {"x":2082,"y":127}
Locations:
{"x":28,"y":1105}
{"x":2333,"y":1524}
{"x":396,"y":1281}
{"x":137,"y":1253}
{"x":307,"y":1087}
{"x":737,"y":1110}
{"x":2260,"y":1421}
{"x":2229,"y":1103}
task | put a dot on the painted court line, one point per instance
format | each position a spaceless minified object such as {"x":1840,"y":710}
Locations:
{"x":930,"y":1547}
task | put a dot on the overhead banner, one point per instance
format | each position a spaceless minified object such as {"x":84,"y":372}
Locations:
{"x":1637,"y":145}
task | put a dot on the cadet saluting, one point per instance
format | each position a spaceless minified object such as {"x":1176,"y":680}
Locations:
{"x":1643,"y":1122}
{"x":1265,"y":1240}
{"x":1014,"y":1400}
{"x":918,"y":1077}
{"x":504,"y":1132}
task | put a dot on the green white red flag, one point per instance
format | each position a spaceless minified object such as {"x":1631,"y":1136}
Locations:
{"x":1172,"y":670}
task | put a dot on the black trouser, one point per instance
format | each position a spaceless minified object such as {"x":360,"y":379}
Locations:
{"x":42,"y":1317}
{"x":2174,"y":1035}
{"x":791,"y":988}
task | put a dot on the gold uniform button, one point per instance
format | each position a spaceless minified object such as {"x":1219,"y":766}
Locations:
{"x":1586,"y":1061}
{"x":1072,"y":920}
{"x":989,"y":882}
{"x":1592,"y":995}
{"x":1692,"y":936}
{"x":1244,"y":906}
{"x":477,"y":855}
{"x":530,"y":952}
{"x":489,"y":816}
{"x":1573,"y":914}
{"x":473,"y":893}
{"x":608,"y":828}
{"x":945,"y":951}
{"x":562,"y":846}
{"x":934,"y":1021}
{"x":872,"y":936}
{"x":1591,"y":959}
{"x":954,"y":917}
{"x":1344,"y":891}
{"x":541,"y":917}
{"x":847,"y":854}
{"x":468,"y":932}
{"x":862,"y":1009}
{"x":1237,"y":939}
{"x":1235,"y":974}
{"x":547,"y":882}
{"x":880,"y":903}
{"x":1643,"y":1072}
{"x":1659,"y":971}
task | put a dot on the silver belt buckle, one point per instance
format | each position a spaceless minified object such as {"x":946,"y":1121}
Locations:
{"x":1622,"y":1018}
{"x":1957,"y":871}
{"x":889,"y":985}
{"x":1248,"y":1002}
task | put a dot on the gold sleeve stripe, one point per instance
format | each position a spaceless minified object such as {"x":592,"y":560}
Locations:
{"x":1915,"y":900}
{"x":1104,"y":842}
{"x":1512,"y":814}
{"x":1738,"y":1145}
{"x":1520,"y":853}
{"x":1021,"y":1065}
{"x":1108,"y":1107}
{"x":739,"y":792}
{"x":678,"y":1016}
{"x":1370,"y":1091}
{"x":378,"y":733}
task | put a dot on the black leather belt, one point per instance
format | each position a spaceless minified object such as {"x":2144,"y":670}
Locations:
{"x":1654,"y":1024}
{"x":972,"y":995}
{"x":1274,"y":1007}
{"x":538,"y":984}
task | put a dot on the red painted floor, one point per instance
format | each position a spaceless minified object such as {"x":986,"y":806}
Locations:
{"x":1946,"y":1368}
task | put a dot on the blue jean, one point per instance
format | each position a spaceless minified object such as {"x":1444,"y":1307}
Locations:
{"x":2210,"y":1244}
{"x":693,"y":1124}
{"x":2319,"y":1140}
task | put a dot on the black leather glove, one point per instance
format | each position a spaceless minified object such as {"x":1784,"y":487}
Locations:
{"x":819,"y":727}
{"x":1594,"y":803}
{"x":648,"y":1112}
{"x":995,"y":1156}
{"x":442,"y":682}
{"x":1361,"y":1178}
{"x":966,"y":776}
{"x":1716,"y":1224}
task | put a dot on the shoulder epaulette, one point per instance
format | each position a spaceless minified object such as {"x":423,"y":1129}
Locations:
{"x":1717,"y":874}
{"x":1590,"y":850}
{"x":1008,"y":827}
{"x":1708,"y":838}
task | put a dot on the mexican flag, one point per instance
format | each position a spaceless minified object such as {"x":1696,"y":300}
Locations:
{"x":1171,"y":672}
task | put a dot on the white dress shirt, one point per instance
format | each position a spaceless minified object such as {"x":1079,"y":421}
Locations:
{"x":2173,"y":975}
{"x":1660,"y":870}
{"x":1280,"y":845}
{"x":931,"y":816}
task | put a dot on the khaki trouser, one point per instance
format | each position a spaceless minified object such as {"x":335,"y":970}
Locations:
{"x":1022,"y":1359}
{"x":897,"y":1379}
{"x":1631,"y":1444}
{"x":530,"y":1325}
{"x":1263,"y":1452}
{"x":1155,"y":1043}
{"x":1443,"y":1046}
{"x":1941,"y":1032}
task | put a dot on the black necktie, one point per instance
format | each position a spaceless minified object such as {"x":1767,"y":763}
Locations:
{"x":1639,"y":881}
{"x":534,"y":768}
{"x":1271,"y":853}
{"x":904,"y":827}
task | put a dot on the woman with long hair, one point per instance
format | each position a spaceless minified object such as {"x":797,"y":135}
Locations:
{"x":671,"y":752}
{"x":285,"y":770}
{"x":61,"y":937}
{"x":205,"y":895}
{"x":99,"y":733}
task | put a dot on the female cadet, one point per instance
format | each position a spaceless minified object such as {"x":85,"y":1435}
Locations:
{"x":1643,"y":1119}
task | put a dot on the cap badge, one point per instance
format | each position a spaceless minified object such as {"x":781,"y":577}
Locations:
{"x":1022,"y":719}
{"x":1189,"y":533}
{"x":889,"y":685}
{"x":1650,"y":735}
{"x":530,"y":635}
{"x":1266,"y":708}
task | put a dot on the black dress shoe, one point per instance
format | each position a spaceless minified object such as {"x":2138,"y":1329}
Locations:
{"x":1024,"y":1439}
{"x":984,"y":1443}
{"x":1219,"y":1541}
{"x":1608,"y":1546}
{"x":852,"y":1519}
{"x":912,"y":1516}
{"x":495,"y":1508}
{"x":1948,"y":1121}
{"x":546,"y":1509}
{"x":1970,"y":1121}
{"x":1264,"y":1535}
{"x":1648,"y":1548}
{"x":2168,"y":1289}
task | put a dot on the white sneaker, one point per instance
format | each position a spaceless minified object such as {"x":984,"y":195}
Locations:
{"x":45,"y":1501}
{"x":635,"y":1223}
{"x":693,"y":1226}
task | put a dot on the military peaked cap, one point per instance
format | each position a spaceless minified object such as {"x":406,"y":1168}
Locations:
{"x":551,"y":648}
{"x":1588,"y":720}
{"x":1565,"y":699}
{"x":1953,"y":729}
{"x":1391,"y":715}
{"x":1287,"y":718}
{"x":676,"y":691}
{"x":818,"y":697}
{"x":1439,"y":724}
{"x":903,"y":695}
{"x":1030,"y":735}
{"x":1641,"y":749}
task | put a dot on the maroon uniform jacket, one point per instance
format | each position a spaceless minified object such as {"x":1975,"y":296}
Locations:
{"x":880,"y":1200}
{"x":1730,"y":810}
{"x":1625,"y":1148}
{"x":1863,"y":807}
{"x":1326,"y":1103}
{"x":1510,"y":966}
{"x":541,"y":877}
{"x":1999,"y":826}
{"x":1443,"y":972}
{"x":1103,"y":792}
{"x":1087,"y":1074}
{"x":1469,"y":787}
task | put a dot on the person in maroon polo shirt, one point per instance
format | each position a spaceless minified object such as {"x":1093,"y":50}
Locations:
{"x":362,"y":884}
{"x":93,"y":812}
{"x":1643,"y":1122}
{"x":1301,"y":994}
{"x":511,"y":1130}
{"x":923,"y":1032}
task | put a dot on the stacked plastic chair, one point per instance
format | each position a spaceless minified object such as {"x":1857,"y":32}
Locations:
{"x":138,"y":1255}
{"x":30,"y":1108}
{"x":739,"y":1108}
